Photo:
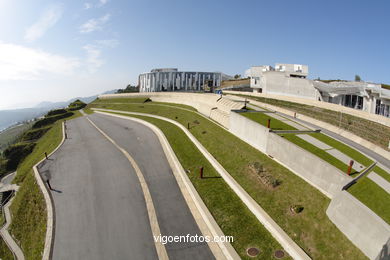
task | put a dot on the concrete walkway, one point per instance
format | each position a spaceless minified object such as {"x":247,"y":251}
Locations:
{"x":380,"y":181}
{"x":276,"y":231}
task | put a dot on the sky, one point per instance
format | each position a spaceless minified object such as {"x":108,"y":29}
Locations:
{"x":57,"y":50}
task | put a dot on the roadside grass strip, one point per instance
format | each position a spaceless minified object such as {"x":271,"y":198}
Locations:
{"x":310,"y":229}
{"x":28,"y":208}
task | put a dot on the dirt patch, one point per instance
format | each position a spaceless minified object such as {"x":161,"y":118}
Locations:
{"x":260,"y":172}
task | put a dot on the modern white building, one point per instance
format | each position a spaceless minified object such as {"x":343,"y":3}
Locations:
{"x":290,"y":80}
{"x":170,"y":79}
{"x":366,"y":96}
{"x":284,"y":79}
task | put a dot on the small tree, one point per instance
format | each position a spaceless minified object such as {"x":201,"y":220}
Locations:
{"x":357,"y":78}
{"x":237,"y":76}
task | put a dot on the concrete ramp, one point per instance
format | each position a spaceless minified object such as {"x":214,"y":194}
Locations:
{"x":364,"y":228}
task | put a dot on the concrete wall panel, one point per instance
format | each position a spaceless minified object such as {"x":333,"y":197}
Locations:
{"x":364,"y":228}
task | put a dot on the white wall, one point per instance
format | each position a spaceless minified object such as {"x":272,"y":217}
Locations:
{"x":278,"y":83}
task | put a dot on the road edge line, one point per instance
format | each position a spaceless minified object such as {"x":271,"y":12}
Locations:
{"x":160,"y":248}
{"x":49,"y":239}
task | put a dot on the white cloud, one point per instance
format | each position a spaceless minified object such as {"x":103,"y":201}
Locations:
{"x":94,"y":24}
{"x":102,"y":2}
{"x":111,"y":43}
{"x":87,"y":6}
{"x":94,"y":60}
{"x":22,"y":63}
{"x":47,"y":20}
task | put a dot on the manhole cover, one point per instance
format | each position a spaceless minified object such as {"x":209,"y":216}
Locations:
{"x":253,"y":251}
{"x":279,"y":254}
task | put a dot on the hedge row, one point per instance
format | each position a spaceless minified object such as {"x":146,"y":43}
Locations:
{"x":16,"y":153}
{"x":56,"y":112}
{"x":51,"y":119}
{"x":35,"y":134}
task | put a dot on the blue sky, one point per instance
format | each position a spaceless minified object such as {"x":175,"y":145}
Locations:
{"x":53,"y":50}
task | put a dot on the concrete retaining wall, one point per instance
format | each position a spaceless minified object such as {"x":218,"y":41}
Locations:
{"x":249,"y":131}
{"x":210,"y":105}
{"x":322,"y":175}
{"x":364,"y":228}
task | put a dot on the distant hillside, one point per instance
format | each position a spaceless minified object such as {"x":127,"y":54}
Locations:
{"x":14,"y":116}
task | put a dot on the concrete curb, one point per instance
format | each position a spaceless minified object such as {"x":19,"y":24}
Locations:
{"x":8,"y":239}
{"x":203,"y":217}
{"x":47,"y":251}
{"x":277,"y":232}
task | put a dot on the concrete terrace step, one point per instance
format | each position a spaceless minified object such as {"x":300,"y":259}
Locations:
{"x":380,"y":181}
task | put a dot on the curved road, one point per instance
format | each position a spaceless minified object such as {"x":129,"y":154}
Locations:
{"x":100,"y":210}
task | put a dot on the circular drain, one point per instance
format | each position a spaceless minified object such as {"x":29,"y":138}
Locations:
{"x":279,"y":254}
{"x":253,"y":251}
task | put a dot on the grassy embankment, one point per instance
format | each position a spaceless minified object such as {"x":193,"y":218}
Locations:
{"x":366,"y":129}
{"x":12,"y":135}
{"x":28,"y":209}
{"x":367,"y":191}
{"x":310,"y":229}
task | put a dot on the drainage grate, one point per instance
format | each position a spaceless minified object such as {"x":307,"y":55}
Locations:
{"x":279,"y":254}
{"x":253,"y":251}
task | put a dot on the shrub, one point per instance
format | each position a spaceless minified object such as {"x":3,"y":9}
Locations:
{"x":77,"y":105}
{"x":297,"y":209}
{"x":34,"y":134}
{"x":16,"y":153}
{"x":50,"y":120}
{"x":56,"y":112}
{"x":266,"y":178}
{"x":3,"y":167}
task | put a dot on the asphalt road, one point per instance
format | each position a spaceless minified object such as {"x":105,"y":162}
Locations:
{"x":173,"y":214}
{"x":100,"y":210}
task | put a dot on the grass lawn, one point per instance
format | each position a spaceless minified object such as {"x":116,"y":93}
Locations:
{"x":262,"y":118}
{"x":311,"y":229}
{"x":5,"y":253}
{"x":231,"y":214}
{"x":28,"y":208}
{"x":139,"y":100}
